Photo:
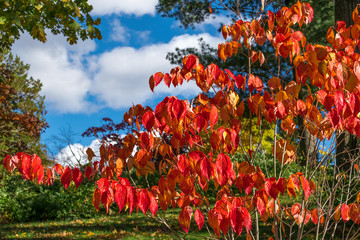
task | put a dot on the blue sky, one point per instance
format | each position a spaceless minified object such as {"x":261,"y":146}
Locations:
{"x":94,"y":79}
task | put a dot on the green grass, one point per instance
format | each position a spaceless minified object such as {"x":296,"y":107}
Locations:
{"x":122,"y":226}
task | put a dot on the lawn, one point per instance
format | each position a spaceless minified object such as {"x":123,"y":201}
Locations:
{"x":123,"y":226}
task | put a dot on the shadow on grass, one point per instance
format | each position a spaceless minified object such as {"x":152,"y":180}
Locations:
{"x":136,"y":226}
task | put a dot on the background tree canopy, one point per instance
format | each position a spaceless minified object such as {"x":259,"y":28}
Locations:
{"x":22,"y":108}
{"x":67,"y":17}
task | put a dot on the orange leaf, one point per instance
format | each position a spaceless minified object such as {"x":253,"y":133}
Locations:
{"x":254,"y":56}
{"x":337,"y":213}
{"x":224,"y":31}
{"x":358,"y":198}
{"x":96,"y":199}
{"x":90,"y":154}
{"x":214,"y":116}
{"x":354,"y":212}
{"x":355,"y":16}
{"x":261,"y":58}
{"x":306,"y":187}
{"x":274,"y":83}
{"x":291,"y":187}
{"x":185,"y":218}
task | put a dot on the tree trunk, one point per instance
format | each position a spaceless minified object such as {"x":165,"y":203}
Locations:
{"x":344,"y":9}
{"x":347,"y":145}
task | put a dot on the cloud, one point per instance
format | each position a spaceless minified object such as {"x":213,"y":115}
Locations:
{"x":123,"y":76}
{"x":123,"y":34}
{"x":75,"y":154}
{"x":215,"y":21}
{"x":136,"y":7}
{"x":61,"y":68}
{"x":77,"y":81}
{"x":119,"y":33}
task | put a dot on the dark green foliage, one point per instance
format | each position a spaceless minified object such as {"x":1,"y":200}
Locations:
{"x":191,"y":12}
{"x":22,"y":201}
{"x":70,"y":18}
{"x":22,"y":108}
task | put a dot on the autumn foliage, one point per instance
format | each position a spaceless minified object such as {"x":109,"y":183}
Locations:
{"x":193,"y":142}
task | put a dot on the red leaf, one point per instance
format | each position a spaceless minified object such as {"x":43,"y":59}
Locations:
{"x":120,"y":196}
{"x":106,"y":199}
{"x":9,"y":163}
{"x":206,"y":168}
{"x":281,"y":185}
{"x":255,"y":82}
{"x":271,"y":188}
{"x":40,"y":175}
{"x":144,"y":201}
{"x":199,"y":218}
{"x":131,"y":199}
{"x":345,"y":212}
{"x":230,"y":74}
{"x":296,"y":36}
{"x":103,"y":184}
{"x":35,"y":164}
{"x":158,"y":78}
{"x":153,"y":204}
{"x":66,"y":177}
{"x":148,"y":120}
{"x":236,"y":220}
{"x":315,"y":216}
{"x":77,"y":177}
{"x":240,"y":82}
{"x":25,"y":166}
{"x":183,"y":165}
{"x":179,"y":109}
{"x":167,"y":79}
{"x":254,"y":56}
{"x":89,"y":172}
{"x":247,"y":219}
{"x":214,"y":116}
{"x":223,"y":168}
{"x":306,"y":187}
{"x":260,"y":205}
{"x":185,"y":218}
{"x":214,"y":221}
{"x":191,"y":60}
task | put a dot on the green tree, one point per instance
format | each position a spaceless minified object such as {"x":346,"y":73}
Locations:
{"x":22,"y":108}
{"x":70,"y":18}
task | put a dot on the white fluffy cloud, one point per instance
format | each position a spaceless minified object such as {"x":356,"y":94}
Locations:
{"x":116,"y":79}
{"x":123,"y":76}
{"x":75,"y":154}
{"x":136,"y":7}
{"x":61,"y":69}
{"x":119,"y":33}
